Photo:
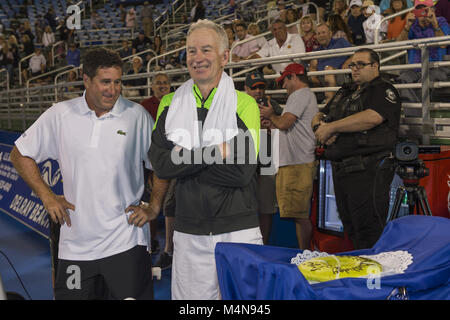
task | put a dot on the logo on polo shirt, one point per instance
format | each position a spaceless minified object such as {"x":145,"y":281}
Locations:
{"x":121,"y":132}
{"x":50,"y":177}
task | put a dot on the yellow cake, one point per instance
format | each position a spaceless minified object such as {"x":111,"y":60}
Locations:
{"x":336,"y":267}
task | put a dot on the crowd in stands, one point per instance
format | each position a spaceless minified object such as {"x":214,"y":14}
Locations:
{"x":295,"y":28}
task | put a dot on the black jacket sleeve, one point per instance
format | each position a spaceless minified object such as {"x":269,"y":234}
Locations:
{"x":238,"y":170}
{"x":166,"y":161}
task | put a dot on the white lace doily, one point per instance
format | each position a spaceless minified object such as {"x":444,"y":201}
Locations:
{"x":307,"y":255}
{"x":393,"y":262}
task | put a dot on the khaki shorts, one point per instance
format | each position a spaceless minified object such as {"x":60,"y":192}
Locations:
{"x":294,"y":189}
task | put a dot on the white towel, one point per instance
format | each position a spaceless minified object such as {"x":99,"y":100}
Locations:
{"x":182,"y":125}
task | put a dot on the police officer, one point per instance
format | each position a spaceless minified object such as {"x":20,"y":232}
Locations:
{"x":359,"y":129}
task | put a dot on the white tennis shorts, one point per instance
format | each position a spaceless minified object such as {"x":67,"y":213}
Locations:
{"x":194,"y":275}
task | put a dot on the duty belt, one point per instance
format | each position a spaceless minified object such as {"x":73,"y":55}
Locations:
{"x":360,"y":162}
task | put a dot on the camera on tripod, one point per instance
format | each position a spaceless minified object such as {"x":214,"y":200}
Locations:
{"x":411,"y":169}
{"x":407,"y":163}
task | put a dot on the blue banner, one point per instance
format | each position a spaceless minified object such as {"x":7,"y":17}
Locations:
{"x":16,"y":198}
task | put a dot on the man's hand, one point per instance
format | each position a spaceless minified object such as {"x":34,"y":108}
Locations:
{"x":142,"y":213}
{"x":57,"y":207}
{"x":410,"y":19}
{"x":266,"y":111}
{"x":324,"y":132}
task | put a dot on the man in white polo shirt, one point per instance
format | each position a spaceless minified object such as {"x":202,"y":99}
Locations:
{"x":100,"y":141}
{"x":283,"y":43}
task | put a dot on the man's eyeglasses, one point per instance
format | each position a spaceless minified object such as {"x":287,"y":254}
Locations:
{"x":359,"y":64}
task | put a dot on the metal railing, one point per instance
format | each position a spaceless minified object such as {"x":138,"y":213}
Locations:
{"x":13,"y":103}
{"x":378,"y":26}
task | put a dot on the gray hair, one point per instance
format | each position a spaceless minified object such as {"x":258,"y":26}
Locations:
{"x":207,"y":24}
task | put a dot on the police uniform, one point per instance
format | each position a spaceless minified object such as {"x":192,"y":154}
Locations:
{"x":362,"y":171}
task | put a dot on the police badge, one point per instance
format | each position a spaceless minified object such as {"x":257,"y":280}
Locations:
{"x":390,"y":96}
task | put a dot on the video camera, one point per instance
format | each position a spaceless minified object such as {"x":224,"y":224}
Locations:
{"x":407,"y":163}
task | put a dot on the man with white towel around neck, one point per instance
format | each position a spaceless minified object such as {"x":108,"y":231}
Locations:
{"x":207,"y":137}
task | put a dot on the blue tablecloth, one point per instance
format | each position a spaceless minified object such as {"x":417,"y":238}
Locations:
{"x":263,"y":272}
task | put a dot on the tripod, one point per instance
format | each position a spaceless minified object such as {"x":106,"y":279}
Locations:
{"x":416,"y":195}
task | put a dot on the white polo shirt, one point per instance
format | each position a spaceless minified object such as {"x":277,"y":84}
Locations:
{"x":293,"y":44}
{"x":101,"y":165}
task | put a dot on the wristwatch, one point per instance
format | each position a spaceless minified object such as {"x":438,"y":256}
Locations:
{"x":437,"y":29}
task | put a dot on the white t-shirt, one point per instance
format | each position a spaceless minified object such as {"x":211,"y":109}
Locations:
{"x":369,"y":27}
{"x":293,"y":44}
{"x":297,"y":144}
{"x":101,"y":161}
{"x":35,"y":63}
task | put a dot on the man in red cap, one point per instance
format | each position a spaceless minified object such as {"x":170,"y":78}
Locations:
{"x":297,"y":165}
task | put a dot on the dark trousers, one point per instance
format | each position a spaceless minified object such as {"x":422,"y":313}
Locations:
{"x":362,"y":199}
{"x":124,"y":275}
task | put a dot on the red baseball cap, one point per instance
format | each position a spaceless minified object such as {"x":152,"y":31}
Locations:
{"x":293,"y":68}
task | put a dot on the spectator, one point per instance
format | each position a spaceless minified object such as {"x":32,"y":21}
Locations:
{"x":39,"y":31}
{"x":73,"y":55}
{"x":96,"y":21}
{"x":137,"y":67}
{"x":340,"y":7}
{"x":37,"y":65}
{"x":70,"y":92}
{"x":230,"y":33}
{"x":283,"y":43}
{"x":386,"y":4}
{"x":355,"y":23}
{"x":242,"y":51}
{"x":51,"y":18}
{"x":14,"y":48}
{"x":158,"y":45}
{"x":291,"y":17}
{"x":443,"y":9}
{"x":65,"y":34}
{"x":338,"y":27}
{"x":326,"y":43}
{"x":422,"y":24}
{"x":294,"y":181}
{"x":181,"y":55}
{"x":130,"y":20}
{"x":122,"y":13}
{"x":308,"y":33}
{"x":161,"y":87}
{"x":254,"y":30}
{"x":198,"y":11}
{"x":27,"y":45}
{"x":277,"y":12}
{"x":324,"y":6}
{"x":26,"y":29}
{"x":126,"y":50}
{"x":141,"y":43}
{"x":7,"y":60}
{"x":232,"y":7}
{"x":373,"y":17}
{"x":147,"y":19}
{"x":48,"y":39}
{"x":255,"y":86}
{"x":396,"y":24}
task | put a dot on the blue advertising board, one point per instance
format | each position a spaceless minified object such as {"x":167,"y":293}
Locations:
{"x":16,"y":198}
